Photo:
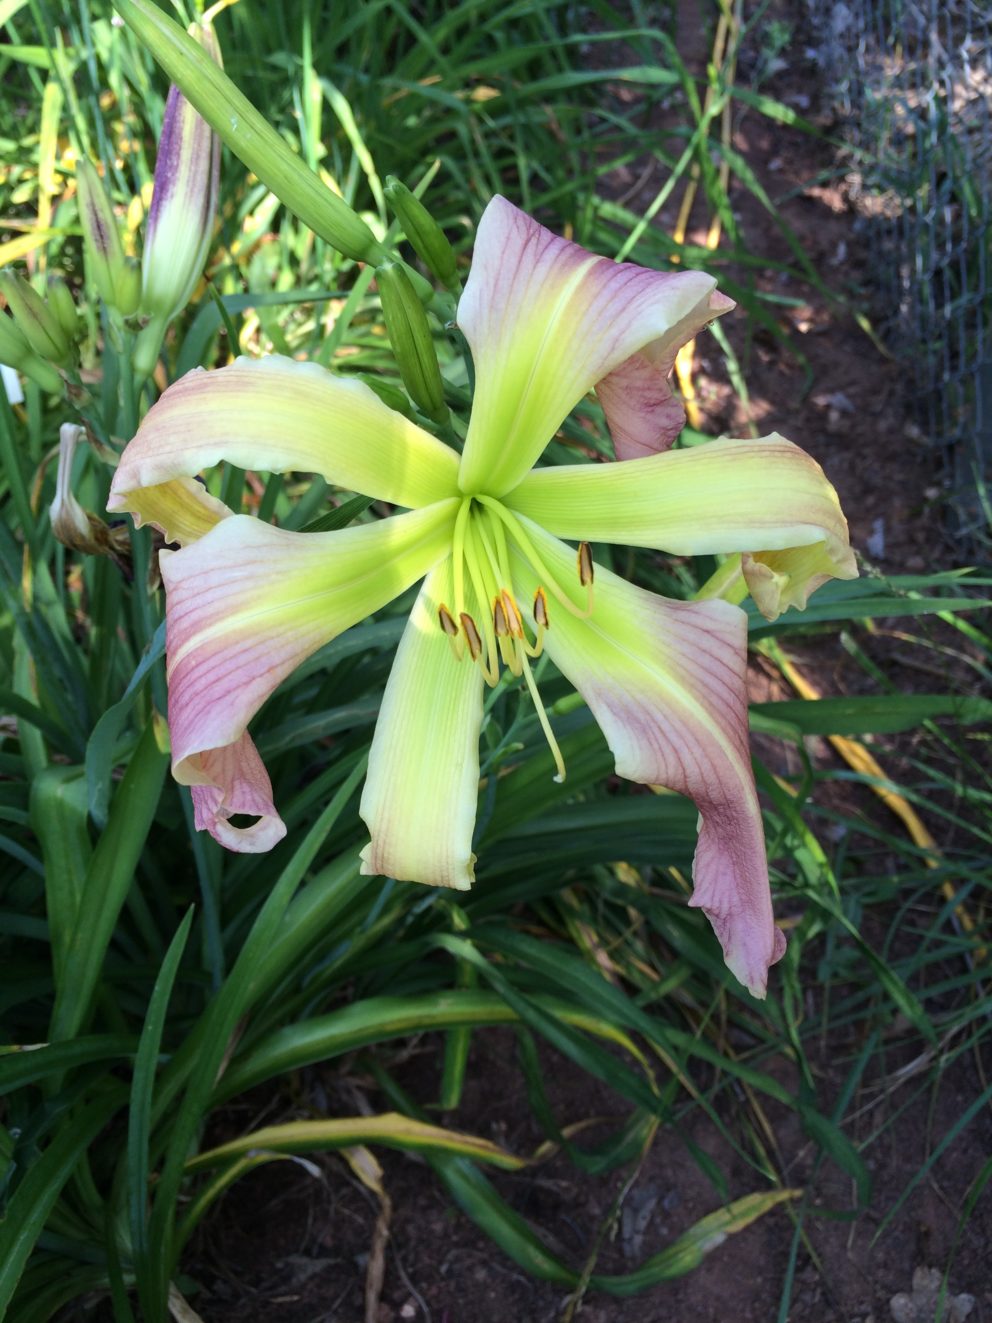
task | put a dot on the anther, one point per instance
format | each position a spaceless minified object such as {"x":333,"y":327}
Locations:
{"x":514,"y":621}
{"x":541,"y":609}
{"x":472,"y":636}
{"x":447,"y":621}
{"x":500,"y":624}
{"x":586,"y":573}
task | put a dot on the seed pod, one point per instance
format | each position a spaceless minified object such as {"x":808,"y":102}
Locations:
{"x":35,"y":319}
{"x":410,"y":336}
{"x":428,"y":239}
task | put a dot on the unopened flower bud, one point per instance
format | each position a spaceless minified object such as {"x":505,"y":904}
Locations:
{"x":426,"y":236}
{"x":105,"y":261}
{"x":249,"y":134}
{"x":129,"y":287}
{"x":410,"y":336}
{"x":184,"y":200}
{"x":35,"y":319}
{"x":63,"y":307}
{"x":390,"y":395}
{"x":181,"y":220}
{"x":16,"y":352}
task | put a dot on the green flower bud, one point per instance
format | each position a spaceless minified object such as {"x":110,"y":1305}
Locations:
{"x":13,"y":346}
{"x":410,"y":336}
{"x":248,"y":134}
{"x":35,"y":319}
{"x":105,"y":263}
{"x":390,"y":395}
{"x":63,"y":307}
{"x":16,"y":352}
{"x":428,"y":239}
{"x":129,"y":287}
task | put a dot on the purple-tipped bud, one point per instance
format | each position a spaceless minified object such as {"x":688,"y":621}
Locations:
{"x":105,"y":263}
{"x":184,"y":201}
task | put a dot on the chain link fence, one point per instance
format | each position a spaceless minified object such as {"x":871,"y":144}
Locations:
{"x":912,"y":80}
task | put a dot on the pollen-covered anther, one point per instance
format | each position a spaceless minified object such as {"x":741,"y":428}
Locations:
{"x":586,"y":570}
{"x":500,"y":623}
{"x":472,"y":636}
{"x":541,"y":609}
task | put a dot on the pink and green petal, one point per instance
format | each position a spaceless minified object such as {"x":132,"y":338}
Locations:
{"x":642,"y":412}
{"x":279,"y":416}
{"x":666,"y":682}
{"x":765,"y":496}
{"x":245,"y":605}
{"x":183,"y":510}
{"x":546,"y":322}
{"x":422,"y":788}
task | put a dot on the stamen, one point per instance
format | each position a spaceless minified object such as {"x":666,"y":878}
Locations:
{"x":458,"y":554}
{"x":490,"y":667}
{"x":542,"y":717}
{"x":472,"y":636}
{"x":500,"y":624}
{"x":530,"y":554}
{"x":514,"y":620}
{"x":451,"y":631}
{"x":586,"y":570}
{"x":541,"y":609}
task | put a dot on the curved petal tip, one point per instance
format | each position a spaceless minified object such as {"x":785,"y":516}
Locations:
{"x":231,"y":781}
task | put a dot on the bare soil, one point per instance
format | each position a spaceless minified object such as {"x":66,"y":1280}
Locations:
{"x":292,"y":1242}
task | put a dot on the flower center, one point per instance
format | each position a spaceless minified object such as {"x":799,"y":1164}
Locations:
{"x":486,"y":622}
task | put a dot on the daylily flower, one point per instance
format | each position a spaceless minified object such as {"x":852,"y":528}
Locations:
{"x":546,"y":322}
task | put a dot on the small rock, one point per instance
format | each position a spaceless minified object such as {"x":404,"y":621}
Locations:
{"x":834,"y":400}
{"x":927,"y":1304}
{"x":875,"y":541}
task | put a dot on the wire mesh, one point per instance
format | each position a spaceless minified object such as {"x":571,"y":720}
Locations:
{"x":913,"y":82}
